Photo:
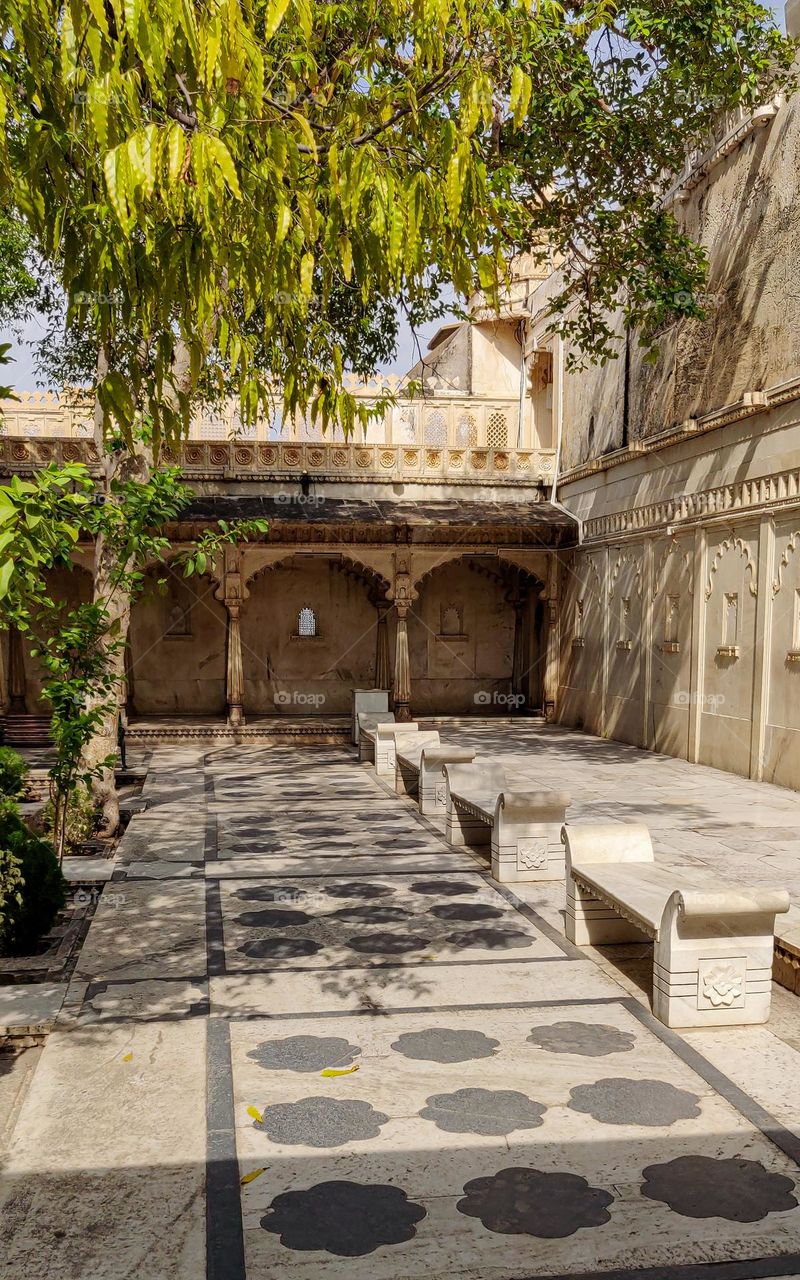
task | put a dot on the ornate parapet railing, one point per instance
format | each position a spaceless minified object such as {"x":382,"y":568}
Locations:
{"x":276,"y":460}
{"x":440,"y":422}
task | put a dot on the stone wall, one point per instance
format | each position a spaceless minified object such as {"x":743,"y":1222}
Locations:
{"x":680,"y":612}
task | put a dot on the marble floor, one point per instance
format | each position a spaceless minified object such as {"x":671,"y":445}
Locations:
{"x":307,"y":1039}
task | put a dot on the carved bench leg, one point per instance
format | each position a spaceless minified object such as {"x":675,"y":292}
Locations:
{"x":432,"y":792}
{"x":385,"y":759}
{"x":712,"y":971}
{"x":533,"y":852}
{"x":366,"y":748}
{"x":406,"y":779}
{"x":591,"y":922}
{"x":463,"y":828}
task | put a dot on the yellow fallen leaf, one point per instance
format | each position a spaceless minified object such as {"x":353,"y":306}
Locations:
{"x":331,"y":1071}
{"x":251,"y":1177}
{"x":256,"y":1114}
{"x":127,"y":1057}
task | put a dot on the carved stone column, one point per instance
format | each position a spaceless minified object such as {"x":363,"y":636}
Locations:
{"x":16,"y":673}
{"x":383,"y":669}
{"x":552,"y":619}
{"x":402,"y":667}
{"x":232,"y":597}
{"x":401,"y":594}
{"x":518,"y":662}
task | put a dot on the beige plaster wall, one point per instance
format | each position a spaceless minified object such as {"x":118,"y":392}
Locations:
{"x":71,"y":587}
{"x":286,"y":674}
{"x":177,"y":646}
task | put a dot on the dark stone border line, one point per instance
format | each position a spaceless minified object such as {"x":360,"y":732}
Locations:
{"x":289,"y":874}
{"x":752,"y":1111}
{"x":322,"y":1014}
{"x":571,"y":952}
{"x":224,"y":1227}
{"x":783,"y":1264}
{"x":215,"y":938}
{"x":389,"y":964}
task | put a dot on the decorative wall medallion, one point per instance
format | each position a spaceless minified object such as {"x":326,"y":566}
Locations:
{"x":193,"y":455}
{"x":587,"y":1039}
{"x":291,"y":457}
{"x":433,"y":457}
{"x":516,"y":1202}
{"x":244,"y":457}
{"x":305,"y":1054}
{"x":721,"y":984}
{"x":500,"y":461}
{"x":219,"y":455}
{"x":320,"y":1122}
{"x":704,"y":1187}
{"x":268,"y":456}
{"x":444,"y":1044}
{"x":478,"y":461}
{"x":340,"y":457}
{"x":618,"y":1100}
{"x":410,"y":458}
{"x":363,"y":458}
{"x":316,"y":457}
{"x":532,"y":853}
{"x":488,"y":1112}
{"x":349,"y":1219}
{"x":387,"y":459}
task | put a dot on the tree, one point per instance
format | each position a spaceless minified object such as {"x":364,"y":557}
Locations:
{"x":42,"y":521}
{"x":206,"y":181}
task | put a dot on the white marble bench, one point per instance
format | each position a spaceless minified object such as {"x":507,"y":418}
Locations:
{"x":378,"y":744}
{"x":368,"y":722}
{"x":408,"y":757}
{"x":368,"y":702}
{"x":522,"y":828}
{"x":712,"y":961}
{"x":432,"y":784}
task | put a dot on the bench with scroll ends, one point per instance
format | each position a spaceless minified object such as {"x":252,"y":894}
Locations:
{"x":523,"y":828}
{"x":712,"y":959}
{"x":423,"y":772}
{"x":368,"y":722}
{"x":407,"y":761}
{"x":368,"y":702}
{"x":378,"y":744}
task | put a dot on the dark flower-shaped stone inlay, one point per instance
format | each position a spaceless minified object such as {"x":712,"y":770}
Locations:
{"x":287,"y":895}
{"x":349,"y":1219}
{"x":465,"y":911}
{"x":275,"y":919}
{"x":387,"y":944}
{"x":305,"y":1053}
{"x":643,"y":1102}
{"x":490,"y":939}
{"x":357,"y":889}
{"x":443,"y":888}
{"x":279,"y":948}
{"x":380,"y":913}
{"x":320,"y":1122}
{"x":516,"y":1202}
{"x":705,"y":1187}
{"x":444,"y":1044}
{"x":483,"y":1111}
{"x":588,"y":1039}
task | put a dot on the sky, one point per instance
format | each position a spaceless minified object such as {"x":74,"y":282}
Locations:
{"x":22,"y":373}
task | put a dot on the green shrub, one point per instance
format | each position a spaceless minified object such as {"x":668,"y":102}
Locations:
{"x":32,"y":888}
{"x":81,"y":816}
{"x":13,"y":773}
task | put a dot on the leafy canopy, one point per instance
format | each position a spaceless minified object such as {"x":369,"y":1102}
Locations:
{"x":206,"y":176}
